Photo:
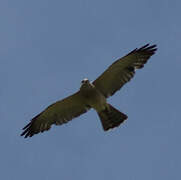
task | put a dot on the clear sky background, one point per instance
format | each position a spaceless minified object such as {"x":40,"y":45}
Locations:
{"x":48,"y":47}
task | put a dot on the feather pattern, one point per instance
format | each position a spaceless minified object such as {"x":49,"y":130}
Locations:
{"x":123,"y":70}
{"x":58,"y":113}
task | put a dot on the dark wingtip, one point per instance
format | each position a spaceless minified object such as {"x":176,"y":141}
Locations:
{"x":147,"y":48}
{"x":152,"y":49}
{"x":143,"y":47}
{"x":28,"y":129}
{"x":27,"y":133}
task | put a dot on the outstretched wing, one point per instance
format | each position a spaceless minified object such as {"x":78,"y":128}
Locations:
{"x":58,"y":113}
{"x":122,"y":70}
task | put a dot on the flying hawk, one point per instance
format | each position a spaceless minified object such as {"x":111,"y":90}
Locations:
{"x":93,"y":95}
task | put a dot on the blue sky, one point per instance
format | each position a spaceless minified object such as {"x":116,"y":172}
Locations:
{"x":48,"y":47}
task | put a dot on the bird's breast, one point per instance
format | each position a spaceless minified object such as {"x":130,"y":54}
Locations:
{"x":94,"y":98}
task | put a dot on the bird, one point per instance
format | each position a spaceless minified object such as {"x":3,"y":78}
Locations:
{"x":94,"y":95}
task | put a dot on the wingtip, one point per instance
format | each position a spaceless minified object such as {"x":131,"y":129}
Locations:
{"x":149,"y":48}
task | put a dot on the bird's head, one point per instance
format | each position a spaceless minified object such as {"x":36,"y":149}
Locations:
{"x":85,"y":81}
{"x":86,"y":84}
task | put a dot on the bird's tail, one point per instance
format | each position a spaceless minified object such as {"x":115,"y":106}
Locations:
{"x":111,"y":117}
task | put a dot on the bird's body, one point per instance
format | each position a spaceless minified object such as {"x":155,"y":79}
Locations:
{"x":93,"y":95}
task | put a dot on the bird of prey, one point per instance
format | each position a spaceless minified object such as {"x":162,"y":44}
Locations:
{"x":93,"y":95}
